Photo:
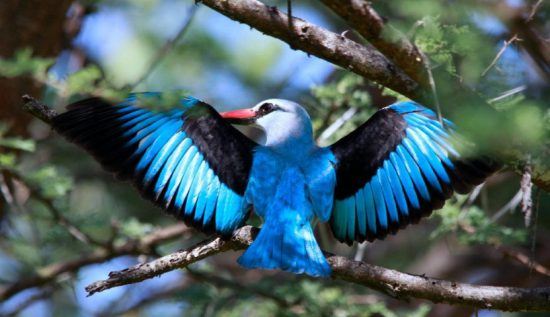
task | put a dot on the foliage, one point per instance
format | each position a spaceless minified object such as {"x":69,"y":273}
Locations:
{"x":473,"y":226}
{"x":23,"y":63}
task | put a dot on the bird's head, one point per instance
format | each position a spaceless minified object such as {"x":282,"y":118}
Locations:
{"x":284,"y":122}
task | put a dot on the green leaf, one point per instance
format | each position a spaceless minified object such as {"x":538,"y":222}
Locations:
{"x":51,"y":183}
{"x":83,"y":81}
{"x":8,"y":160}
{"x":23,"y":63}
{"x":135,"y":229}
{"x":18,"y":144}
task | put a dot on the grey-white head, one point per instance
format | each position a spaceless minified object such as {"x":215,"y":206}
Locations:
{"x":284,"y":122}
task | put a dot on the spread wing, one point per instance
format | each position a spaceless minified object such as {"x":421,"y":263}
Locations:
{"x":396,"y":168}
{"x":188,"y":161}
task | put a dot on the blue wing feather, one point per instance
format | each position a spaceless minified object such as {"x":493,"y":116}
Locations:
{"x":405,"y":179}
{"x":165,"y":163}
{"x":430,"y":155}
{"x":202,"y":198}
{"x":408,"y":179}
{"x":196,"y":188}
{"x":370,"y":207}
{"x":177,"y":176}
{"x":396,"y":188}
{"x":414,"y":172}
{"x":388,"y":196}
{"x":381,"y":212}
{"x":211,"y":201}
{"x":341,"y":215}
{"x":187,"y":179}
{"x":423,"y":163}
{"x":160,"y":140}
{"x":360,"y":205}
{"x":350,"y":210}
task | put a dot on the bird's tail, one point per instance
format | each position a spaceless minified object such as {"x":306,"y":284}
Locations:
{"x":287,"y":244}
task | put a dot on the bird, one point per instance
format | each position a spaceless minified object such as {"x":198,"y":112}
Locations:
{"x":193,"y":162}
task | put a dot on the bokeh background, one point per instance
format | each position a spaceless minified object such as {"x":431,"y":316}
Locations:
{"x":51,"y":192}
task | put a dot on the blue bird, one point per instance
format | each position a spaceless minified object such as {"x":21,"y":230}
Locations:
{"x":394,"y":169}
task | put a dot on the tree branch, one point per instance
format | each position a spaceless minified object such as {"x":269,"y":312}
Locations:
{"x":53,"y":271}
{"x":391,"y":282}
{"x":242,"y":238}
{"x":38,"y":109}
{"x":319,"y":42}
{"x":393,"y":44}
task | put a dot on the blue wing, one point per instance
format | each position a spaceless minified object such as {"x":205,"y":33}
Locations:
{"x":188,"y":160}
{"x":396,"y":168}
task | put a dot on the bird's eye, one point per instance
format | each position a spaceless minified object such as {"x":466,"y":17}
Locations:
{"x":267,"y":108}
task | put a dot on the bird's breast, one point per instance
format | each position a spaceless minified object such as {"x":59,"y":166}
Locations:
{"x":305,"y":186}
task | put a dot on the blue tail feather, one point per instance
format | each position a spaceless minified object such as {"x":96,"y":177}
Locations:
{"x":286,"y":244}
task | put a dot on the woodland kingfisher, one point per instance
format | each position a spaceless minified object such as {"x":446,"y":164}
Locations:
{"x":191,"y":161}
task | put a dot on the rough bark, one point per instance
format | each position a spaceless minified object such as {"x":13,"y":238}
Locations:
{"x":37,"y":24}
{"x":360,"y":15}
{"x":317,"y":41}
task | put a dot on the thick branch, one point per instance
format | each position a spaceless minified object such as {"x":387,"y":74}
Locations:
{"x":394,"y":283}
{"x":240,"y":240}
{"x":53,"y":271}
{"x":319,"y":42}
{"x":403,"y":285}
{"x":393,"y":44}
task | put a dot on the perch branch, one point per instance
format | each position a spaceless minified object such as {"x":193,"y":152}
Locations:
{"x":391,"y":282}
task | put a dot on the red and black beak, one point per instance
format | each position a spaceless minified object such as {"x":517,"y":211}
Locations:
{"x":241,"y":116}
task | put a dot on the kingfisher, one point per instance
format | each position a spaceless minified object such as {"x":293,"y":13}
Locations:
{"x":191,"y":161}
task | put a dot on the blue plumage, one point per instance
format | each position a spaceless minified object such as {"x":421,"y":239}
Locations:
{"x":394,"y":169}
{"x":286,"y":240}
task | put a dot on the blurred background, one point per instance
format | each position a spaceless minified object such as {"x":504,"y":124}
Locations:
{"x":57,"y":205}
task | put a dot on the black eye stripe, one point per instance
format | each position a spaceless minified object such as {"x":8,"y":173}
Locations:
{"x":267,"y":108}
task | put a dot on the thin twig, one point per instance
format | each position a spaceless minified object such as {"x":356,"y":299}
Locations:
{"x":500,"y":52}
{"x":433,"y":88}
{"x":53,"y":271}
{"x":227,"y":283}
{"x":526,"y":198}
{"x":525,"y":260}
{"x":511,"y":205}
{"x":472,"y":196}
{"x":507,"y":94}
{"x":534,"y":9}
{"x":128,"y":308}
{"x":346,"y":116}
{"x":167,"y":47}
{"x":56,"y":213}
